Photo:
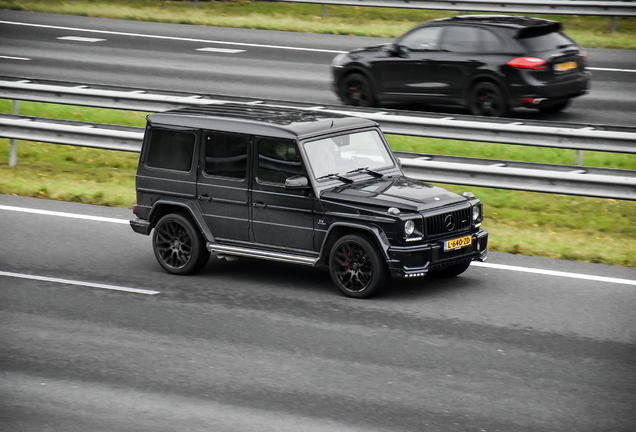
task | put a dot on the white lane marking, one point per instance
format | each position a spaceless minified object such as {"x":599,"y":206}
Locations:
{"x":79,"y":283}
{"x":80,"y":39}
{"x":221,"y":50}
{"x":204,"y":41}
{"x":62,"y":214}
{"x":14,"y":58}
{"x":611,"y":69}
{"x":555,"y":273}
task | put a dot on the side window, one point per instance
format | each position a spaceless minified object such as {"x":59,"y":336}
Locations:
{"x":461,"y":39}
{"x":226,"y":154}
{"x":490,"y":42}
{"x":278,"y":159}
{"x":423,"y":39}
{"x":170,"y":149}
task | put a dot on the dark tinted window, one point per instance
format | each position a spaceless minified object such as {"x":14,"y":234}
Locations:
{"x":278,"y":159}
{"x":461,"y":39}
{"x":423,"y":39}
{"x":546,"y":42}
{"x":226,"y":154}
{"x":169,"y":149}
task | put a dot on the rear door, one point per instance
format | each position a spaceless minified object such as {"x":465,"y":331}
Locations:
{"x":222,"y":188}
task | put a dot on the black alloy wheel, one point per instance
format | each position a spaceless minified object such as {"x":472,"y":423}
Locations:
{"x":486,"y":99}
{"x":449,"y":271}
{"x":357,"y":91}
{"x":356,"y":267}
{"x":178,"y":245}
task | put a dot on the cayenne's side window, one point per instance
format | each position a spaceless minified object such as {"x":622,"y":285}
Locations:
{"x":226,"y":154}
{"x":461,"y":39}
{"x":490,"y":42}
{"x":423,"y":39}
{"x":278,"y":159}
{"x":170,"y":149}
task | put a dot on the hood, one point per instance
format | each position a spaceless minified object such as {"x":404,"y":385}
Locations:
{"x":404,"y":193}
{"x":372,"y":48}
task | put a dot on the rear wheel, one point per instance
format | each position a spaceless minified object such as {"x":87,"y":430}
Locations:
{"x":178,"y":245}
{"x":486,"y":99}
{"x":449,"y":271}
{"x":357,"y":91}
{"x":356,"y":266}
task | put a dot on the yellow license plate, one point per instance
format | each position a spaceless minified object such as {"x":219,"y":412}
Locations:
{"x":565,"y":66}
{"x":458,"y":243}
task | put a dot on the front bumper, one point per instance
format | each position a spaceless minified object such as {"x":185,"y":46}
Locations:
{"x":412,"y":261}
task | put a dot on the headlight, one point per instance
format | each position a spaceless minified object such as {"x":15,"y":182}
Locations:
{"x":338,"y":60}
{"x":409,"y":227}
{"x":476,"y":212}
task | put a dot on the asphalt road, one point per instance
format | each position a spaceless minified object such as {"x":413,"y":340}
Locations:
{"x":240,"y":62}
{"x":95,"y":336}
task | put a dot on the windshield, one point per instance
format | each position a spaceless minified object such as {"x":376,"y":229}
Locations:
{"x":345,"y":154}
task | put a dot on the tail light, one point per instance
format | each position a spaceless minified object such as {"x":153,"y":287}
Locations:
{"x":533,"y":63}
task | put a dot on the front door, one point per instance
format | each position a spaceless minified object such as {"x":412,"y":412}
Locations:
{"x":222,"y":188}
{"x":281,"y":218}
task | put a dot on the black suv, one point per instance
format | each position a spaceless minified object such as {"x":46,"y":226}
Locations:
{"x":486,"y":63}
{"x":296,"y":186}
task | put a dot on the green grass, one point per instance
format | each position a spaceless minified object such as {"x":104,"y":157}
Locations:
{"x":589,"y":32}
{"x":547,"y":225}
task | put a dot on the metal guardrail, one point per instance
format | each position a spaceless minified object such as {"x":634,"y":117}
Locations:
{"x":470,"y":128}
{"x":551,"y":7}
{"x":573,"y":180}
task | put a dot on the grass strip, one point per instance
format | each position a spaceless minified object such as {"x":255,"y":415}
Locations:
{"x":555,"y":226}
{"x":588,"y":31}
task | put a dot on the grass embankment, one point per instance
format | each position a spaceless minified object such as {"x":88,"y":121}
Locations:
{"x":555,"y":226}
{"x":590,"y":32}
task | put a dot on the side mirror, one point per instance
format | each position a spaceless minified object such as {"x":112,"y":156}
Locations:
{"x":297,"y":183}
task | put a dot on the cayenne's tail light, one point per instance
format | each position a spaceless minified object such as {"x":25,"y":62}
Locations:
{"x":533,"y":63}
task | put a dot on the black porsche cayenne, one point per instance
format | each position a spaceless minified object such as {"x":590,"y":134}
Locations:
{"x":486,"y":63}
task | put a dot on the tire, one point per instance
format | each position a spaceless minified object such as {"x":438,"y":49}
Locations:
{"x":449,"y":271}
{"x":357,"y":91}
{"x":555,"y":107}
{"x":486,"y":99}
{"x":178,"y":245}
{"x":356,"y":267}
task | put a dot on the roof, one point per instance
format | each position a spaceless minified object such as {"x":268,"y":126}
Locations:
{"x":511,"y":21}
{"x":258,"y":120}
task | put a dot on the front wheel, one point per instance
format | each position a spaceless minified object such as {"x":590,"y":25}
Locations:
{"x":356,"y":90}
{"x":356,"y":267}
{"x":486,"y":99}
{"x":178,"y":245}
{"x":449,"y":271}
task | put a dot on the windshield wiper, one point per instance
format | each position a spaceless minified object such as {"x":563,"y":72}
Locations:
{"x":335,"y":176}
{"x":366,"y":170}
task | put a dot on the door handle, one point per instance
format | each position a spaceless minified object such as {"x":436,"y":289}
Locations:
{"x":204,"y":198}
{"x":259,"y":205}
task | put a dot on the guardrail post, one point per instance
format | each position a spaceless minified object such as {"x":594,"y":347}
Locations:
{"x":579,"y":158}
{"x":13,"y":152}
{"x":324,"y":11}
{"x":614,"y":24}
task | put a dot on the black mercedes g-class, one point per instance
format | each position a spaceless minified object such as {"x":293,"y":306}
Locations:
{"x":290,"y":185}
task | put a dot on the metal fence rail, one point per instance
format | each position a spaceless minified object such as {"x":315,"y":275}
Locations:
{"x":574,"y":180}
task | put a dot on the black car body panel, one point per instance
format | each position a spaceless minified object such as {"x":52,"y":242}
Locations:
{"x":294,"y":186}
{"x":531,"y":62}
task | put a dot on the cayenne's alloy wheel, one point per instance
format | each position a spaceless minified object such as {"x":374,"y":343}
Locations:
{"x":356,"y":91}
{"x":178,"y":245}
{"x":356,"y":267}
{"x":486,"y":99}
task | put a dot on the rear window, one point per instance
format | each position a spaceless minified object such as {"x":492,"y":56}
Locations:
{"x":546,"y":42}
{"x":170,"y":149}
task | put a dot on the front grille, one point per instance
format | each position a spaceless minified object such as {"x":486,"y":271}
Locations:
{"x":449,"y":222}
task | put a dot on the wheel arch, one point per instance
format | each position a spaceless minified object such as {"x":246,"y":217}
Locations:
{"x":185,"y":207}
{"x":340,"y":229}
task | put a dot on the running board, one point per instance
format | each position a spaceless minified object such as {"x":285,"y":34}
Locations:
{"x":257,"y":253}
